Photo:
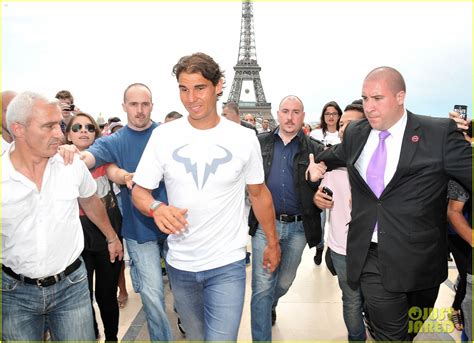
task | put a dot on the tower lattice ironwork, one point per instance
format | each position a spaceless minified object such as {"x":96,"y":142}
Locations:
{"x":247,"y":90}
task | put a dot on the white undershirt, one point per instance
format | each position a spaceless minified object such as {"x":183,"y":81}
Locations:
{"x":393,"y":144}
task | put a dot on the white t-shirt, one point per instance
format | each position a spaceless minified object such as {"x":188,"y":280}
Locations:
{"x":330,"y":137}
{"x":41,"y":230}
{"x":205,"y":171}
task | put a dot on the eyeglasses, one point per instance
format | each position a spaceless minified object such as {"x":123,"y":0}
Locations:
{"x":77,"y":127}
{"x":332,"y":114}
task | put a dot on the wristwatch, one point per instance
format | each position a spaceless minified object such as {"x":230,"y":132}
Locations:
{"x":153,"y":206}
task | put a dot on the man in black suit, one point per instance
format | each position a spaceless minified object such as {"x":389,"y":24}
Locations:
{"x":396,"y":245}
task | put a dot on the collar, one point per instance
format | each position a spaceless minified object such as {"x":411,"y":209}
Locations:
{"x":9,"y":171}
{"x":299,"y":136}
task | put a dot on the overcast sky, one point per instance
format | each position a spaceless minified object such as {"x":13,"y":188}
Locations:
{"x":318,"y":51}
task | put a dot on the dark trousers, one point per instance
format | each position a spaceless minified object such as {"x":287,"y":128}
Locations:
{"x":461,"y":251}
{"x":106,"y":283}
{"x":388,"y":311}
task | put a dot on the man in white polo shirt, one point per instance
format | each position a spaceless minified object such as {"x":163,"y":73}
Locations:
{"x":44,"y":283}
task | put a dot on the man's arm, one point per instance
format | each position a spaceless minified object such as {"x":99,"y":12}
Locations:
{"x":68,"y":151}
{"x":315,"y":171}
{"x":95,"y":211}
{"x":458,"y":221}
{"x":262,"y":205}
{"x":458,"y":157}
{"x":169,"y":219}
{"x":119,"y":176}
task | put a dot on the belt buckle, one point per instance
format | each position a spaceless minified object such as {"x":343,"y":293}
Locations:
{"x":40,"y":282}
{"x":284,"y":218}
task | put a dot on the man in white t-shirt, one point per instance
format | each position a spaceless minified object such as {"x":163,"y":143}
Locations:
{"x":44,"y":281}
{"x":206,"y":162}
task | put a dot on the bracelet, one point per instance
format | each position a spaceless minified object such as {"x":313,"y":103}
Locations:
{"x":112,"y":240}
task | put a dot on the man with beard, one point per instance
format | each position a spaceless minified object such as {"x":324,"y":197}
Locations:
{"x":286,"y":155}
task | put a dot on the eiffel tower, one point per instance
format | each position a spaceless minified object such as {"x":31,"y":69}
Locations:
{"x":247,"y":90}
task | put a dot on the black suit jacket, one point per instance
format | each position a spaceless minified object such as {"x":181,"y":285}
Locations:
{"x":411,"y":212}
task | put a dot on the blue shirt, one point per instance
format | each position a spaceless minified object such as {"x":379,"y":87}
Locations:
{"x":281,"y":181}
{"x":125,"y":148}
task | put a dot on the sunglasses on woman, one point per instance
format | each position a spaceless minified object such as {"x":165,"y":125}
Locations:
{"x":77,"y":127}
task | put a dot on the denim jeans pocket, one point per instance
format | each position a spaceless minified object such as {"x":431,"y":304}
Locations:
{"x":8,"y":283}
{"x":135,"y":276}
{"x":77,"y":276}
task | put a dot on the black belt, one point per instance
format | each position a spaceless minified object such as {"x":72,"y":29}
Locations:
{"x":46,"y":281}
{"x":285,"y":218}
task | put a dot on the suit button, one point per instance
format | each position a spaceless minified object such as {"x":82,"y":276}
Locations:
{"x":379,"y":203}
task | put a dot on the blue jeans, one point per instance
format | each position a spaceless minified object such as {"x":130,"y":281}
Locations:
{"x":268,"y":287}
{"x":467,"y":310}
{"x":210,"y":302}
{"x":65,"y":308}
{"x":320,"y":245}
{"x":145,"y":270}
{"x":352,"y":300}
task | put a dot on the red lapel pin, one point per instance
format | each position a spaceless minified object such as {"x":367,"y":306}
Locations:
{"x":415,"y":138}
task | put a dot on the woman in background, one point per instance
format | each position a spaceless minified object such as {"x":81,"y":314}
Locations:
{"x":82,"y":131}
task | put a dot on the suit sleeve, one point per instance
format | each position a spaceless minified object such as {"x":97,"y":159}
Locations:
{"x":458,"y":157}
{"x":336,"y":156}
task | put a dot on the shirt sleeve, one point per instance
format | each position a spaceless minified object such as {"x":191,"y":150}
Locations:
{"x":105,"y":150}
{"x":87,"y":184}
{"x":253,"y":170}
{"x":150,"y":169}
{"x":457,"y":192}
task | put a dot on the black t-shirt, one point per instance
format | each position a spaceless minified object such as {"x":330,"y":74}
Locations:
{"x":458,"y":193}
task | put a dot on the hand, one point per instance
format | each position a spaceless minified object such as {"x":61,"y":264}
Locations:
{"x":115,"y":249}
{"x":76,"y":110}
{"x":128,"y":180}
{"x":461,"y":123}
{"x":322,"y":200}
{"x":67,"y":152}
{"x":65,"y":109}
{"x":170,"y":219}
{"x":315,"y":171}
{"x":271,"y":257}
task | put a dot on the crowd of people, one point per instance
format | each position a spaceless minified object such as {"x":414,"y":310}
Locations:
{"x":76,"y":191}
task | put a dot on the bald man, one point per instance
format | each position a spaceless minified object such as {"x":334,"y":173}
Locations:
{"x":7,"y":97}
{"x":399,"y":165}
{"x":286,"y":155}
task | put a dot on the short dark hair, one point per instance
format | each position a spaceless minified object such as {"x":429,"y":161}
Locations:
{"x":64,"y":94}
{"x":355,"y":107}
{"x":199,"y":63}
{"x":233,"y":106}
{"x":113,"y":120}
{"x":173,"y":115}
{"x":334,"y":104}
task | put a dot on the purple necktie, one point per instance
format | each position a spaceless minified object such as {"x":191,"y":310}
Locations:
{"x":376,"y":167}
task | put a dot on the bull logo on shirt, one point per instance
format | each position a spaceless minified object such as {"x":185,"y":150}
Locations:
{"x":192,"y":168}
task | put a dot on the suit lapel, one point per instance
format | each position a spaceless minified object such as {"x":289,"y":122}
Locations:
{"x":360,"y":136}
{"x":409,"y":146}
